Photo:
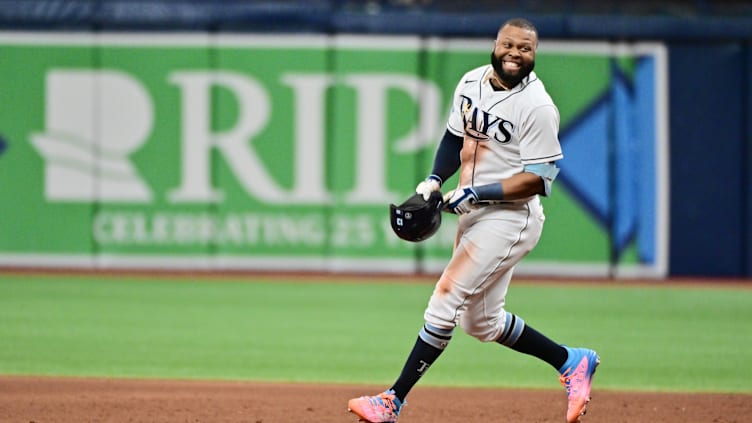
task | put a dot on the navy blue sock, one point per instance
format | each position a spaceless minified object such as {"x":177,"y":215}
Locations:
{"x":523,"y":338}
{"x":429,"y":345}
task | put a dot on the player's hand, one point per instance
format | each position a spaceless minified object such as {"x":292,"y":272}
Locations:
{"x":461,"y":201}
{"x":427,"y":186}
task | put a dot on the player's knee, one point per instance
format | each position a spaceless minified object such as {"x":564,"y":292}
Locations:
{"x":439,"y":315}
{"x":484,"y":330}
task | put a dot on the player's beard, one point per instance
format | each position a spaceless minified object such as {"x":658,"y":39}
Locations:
{"x":511,"y":80}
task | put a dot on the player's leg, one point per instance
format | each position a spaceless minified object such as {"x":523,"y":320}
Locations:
{"x":498,"y":241}
{"x":431,"y":342}
{"x":513,"y":331}
{"x":484,"y":316}
{"x":575,"y":366}
{"x":385,"y":407}
{"x":487,"y":320}
{"x":437,"y":330}
{"x":501,"y":239}
{"x":432,"y":339}
{"x":468,"y":273}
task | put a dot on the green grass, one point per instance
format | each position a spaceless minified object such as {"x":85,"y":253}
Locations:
{"x":649,"y":338}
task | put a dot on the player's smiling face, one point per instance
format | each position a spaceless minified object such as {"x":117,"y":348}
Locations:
{"x":513,"y":57}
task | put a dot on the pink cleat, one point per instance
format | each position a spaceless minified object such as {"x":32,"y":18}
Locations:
{"x":382,"y":408}
{"x":577,"y":376}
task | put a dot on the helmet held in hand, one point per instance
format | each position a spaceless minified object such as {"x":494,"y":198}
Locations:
{"x":416,"y":219}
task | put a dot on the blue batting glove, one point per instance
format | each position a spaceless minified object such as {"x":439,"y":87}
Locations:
{"x":461,"y":201}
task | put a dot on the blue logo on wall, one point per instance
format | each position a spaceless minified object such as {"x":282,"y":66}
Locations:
{"x":610,"y":160}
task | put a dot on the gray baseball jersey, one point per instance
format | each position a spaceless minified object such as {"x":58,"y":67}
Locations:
{"x":502,"y":132}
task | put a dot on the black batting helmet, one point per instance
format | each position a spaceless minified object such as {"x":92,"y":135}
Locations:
{"x":417,"y":219}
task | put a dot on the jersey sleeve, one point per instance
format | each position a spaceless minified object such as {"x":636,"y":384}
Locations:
{"x":447,"y":159}
{"x":539,"y":140}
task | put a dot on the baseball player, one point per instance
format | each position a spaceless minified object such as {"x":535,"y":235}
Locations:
{"x":502,"y":136}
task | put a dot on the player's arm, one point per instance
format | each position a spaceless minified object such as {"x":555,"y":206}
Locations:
{"x":447,"y":159}
{"x":445,"y":164}
{"x":521,"y":185}
{"x":536,"y":179}
{"x":540,"y":149}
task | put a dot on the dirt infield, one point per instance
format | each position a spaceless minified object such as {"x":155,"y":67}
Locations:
{"x":40,"y":400}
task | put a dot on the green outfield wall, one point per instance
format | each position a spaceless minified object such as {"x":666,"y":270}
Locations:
{"x":283,"y":152}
